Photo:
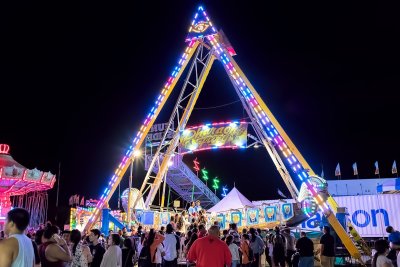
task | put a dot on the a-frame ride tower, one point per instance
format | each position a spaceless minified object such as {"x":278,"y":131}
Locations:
{"x":205,"y":45}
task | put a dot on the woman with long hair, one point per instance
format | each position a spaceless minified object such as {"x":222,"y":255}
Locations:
{"x":193,"y":238}
{"x":81,"y":256}
{"x":380,"y":259}
{"x":153,"y":240}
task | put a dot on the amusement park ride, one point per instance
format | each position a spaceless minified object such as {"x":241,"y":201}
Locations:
{"x":205,"y":45}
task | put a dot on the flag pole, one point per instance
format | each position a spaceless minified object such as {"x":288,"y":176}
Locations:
{"x":58,"y":182}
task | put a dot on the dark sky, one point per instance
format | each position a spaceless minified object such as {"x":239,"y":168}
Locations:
{"x":77,"y":81}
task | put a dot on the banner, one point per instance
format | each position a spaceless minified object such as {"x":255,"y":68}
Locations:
{"x":227,"y":135}
{"x":252,"y":216}
{"x":148,"y":218}
{"x":221,"y":221}
{"x":236,"y":217}
{"x":139,"y":215}
{"x":165,"y":217}
{"x":270,"y":214}
{"x":287,"y":211}
{"x":370,"y":214}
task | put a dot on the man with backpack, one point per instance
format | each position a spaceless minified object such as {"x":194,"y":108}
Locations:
{"x":278,"y":250}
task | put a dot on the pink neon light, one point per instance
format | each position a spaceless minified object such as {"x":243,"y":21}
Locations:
{"x":214,"y":124}
{"x":4,"y":148}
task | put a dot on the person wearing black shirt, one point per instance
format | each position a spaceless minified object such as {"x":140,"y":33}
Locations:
{"x":327,"y":248}
{"x":305,"y":247}
{"x":96,"y":248}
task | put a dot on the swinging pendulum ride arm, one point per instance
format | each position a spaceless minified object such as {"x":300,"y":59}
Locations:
{"x":275,"y":132}
{"x":142,"y":133}
{"x":163,"y":168}
{"x":330,"y":200}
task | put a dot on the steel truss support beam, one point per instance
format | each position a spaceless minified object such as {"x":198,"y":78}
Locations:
{"x":142,"y":133}
{"x":188,"y":96}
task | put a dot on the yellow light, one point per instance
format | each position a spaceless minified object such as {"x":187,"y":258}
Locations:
{"x":137,"y":153}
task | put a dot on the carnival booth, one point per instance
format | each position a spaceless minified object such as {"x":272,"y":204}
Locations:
{"x":236,"y":208}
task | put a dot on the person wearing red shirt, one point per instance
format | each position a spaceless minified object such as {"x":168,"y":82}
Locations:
{"x":210,"y":251}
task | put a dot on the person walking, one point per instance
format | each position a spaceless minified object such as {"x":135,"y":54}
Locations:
{"x":327,"y":248}
{"x":305,"y":247}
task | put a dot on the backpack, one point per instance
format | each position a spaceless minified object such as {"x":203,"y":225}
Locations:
{"x":279,"y":241}
{"x":251,"y":255}
{"x":145,"y":257}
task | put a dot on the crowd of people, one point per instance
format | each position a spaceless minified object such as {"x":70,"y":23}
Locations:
{"x":188,"y":238}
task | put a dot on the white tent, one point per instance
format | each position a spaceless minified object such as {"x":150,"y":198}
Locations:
{"x":234,"y":200}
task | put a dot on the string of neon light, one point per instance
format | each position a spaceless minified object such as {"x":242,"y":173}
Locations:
{"x":142,"y":129}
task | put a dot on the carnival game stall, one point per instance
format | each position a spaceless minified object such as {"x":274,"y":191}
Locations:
{"x":236,"y":208}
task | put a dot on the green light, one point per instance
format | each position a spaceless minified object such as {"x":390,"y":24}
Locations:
{"x":216,"y":183}
{"x":205,"y":174}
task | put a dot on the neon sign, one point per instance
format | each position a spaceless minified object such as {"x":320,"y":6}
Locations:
{"x":4,"y":149}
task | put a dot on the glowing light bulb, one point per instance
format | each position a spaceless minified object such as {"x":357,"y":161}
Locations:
{"x":137,"y":153}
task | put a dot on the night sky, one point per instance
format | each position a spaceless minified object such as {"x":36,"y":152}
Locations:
{"x":78,"y":80}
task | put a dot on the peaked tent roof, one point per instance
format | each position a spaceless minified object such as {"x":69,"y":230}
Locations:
{"x":233,"y":200}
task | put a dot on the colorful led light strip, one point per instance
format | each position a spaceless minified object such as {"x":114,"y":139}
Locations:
{"x":128,"y":154}
{"x":200,"y":9}
{"x":267,"y":124}
{"x":215,"y":124}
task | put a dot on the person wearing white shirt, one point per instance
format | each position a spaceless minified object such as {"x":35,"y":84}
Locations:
{"x":170,"y":245}
{"x":234,"y":249}
{"x":159,"y":254}
{"x":113,"y":255}
{"x":380,"y":259}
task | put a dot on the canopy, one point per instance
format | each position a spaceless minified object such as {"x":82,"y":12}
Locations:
{"x":234,"y":200}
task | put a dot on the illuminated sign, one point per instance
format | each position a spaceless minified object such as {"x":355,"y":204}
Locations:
{"x":157,"y":130}
{"x":4,"y":149}
{"x":213,"y":136}
{"x":200,"y":26}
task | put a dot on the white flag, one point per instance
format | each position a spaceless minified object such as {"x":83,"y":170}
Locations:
{"x":281,"y":194}
{"x":337,"y":171}
{"x":394,"y":168}
{"x":376,"y":167}
{"x":355,"y":170}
